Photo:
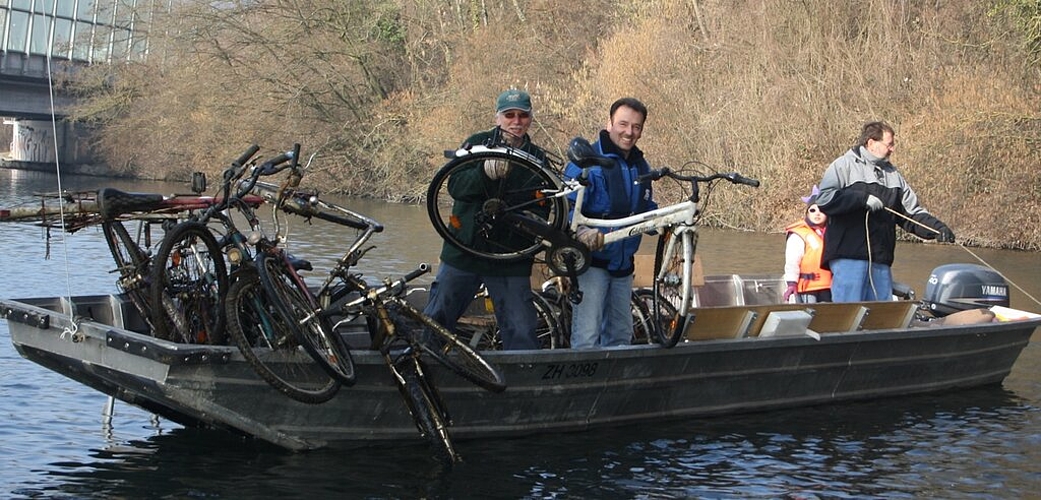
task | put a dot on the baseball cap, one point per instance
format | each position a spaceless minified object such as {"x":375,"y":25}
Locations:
{"x":513,"y":99}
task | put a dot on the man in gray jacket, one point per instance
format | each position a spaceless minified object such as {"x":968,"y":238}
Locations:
{"x":865,"y":198}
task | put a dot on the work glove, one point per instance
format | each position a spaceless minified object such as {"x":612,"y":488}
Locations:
{"x":590,"y":237}
{"x":873,"y":203}
{"x":946,"y":235}
{"x":788,"y":292}
{"x":496,"y":169}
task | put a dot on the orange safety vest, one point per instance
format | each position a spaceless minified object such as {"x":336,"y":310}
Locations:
{"x":811,"y":276}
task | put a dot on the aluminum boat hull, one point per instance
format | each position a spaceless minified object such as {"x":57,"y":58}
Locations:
{"x":548,"y":390}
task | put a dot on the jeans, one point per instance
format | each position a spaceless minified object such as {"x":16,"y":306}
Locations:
{"x":453,"y":290}
{"x":850,"y":282}
{"x":604,"y":317}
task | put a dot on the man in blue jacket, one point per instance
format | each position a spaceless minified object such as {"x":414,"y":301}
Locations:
{"x":865,"y":197}
{"x":603,"y":318}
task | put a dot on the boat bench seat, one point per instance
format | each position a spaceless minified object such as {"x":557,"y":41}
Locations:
{"x":730,"y":322}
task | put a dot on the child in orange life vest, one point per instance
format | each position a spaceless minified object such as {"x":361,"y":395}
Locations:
{"x":807,"y":282}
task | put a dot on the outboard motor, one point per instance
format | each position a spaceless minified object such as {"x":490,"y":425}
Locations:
{"x":960,"y":287}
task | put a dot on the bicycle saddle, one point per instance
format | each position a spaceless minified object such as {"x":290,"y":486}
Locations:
{"x":581,"y":153}
{"x":112,"y":202}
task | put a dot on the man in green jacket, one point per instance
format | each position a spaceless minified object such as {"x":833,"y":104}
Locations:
{"x":460,"y":275}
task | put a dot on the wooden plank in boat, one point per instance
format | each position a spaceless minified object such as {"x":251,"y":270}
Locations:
{"x":828,"y":317}
{"x":729,"y":322}
{"x":711,"y":323}
{"x":887,"y":315}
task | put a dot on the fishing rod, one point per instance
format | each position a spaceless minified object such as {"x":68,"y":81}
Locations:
{"x":970,"y":253}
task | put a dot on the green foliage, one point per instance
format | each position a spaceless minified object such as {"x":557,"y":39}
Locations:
{"x":1026,"y":15}
{"x":390,"y":30}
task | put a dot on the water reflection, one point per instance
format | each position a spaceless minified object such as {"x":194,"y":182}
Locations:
{"x":904,"y":447}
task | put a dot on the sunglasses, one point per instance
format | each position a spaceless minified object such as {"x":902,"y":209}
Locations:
{"x":813,"y":210}
{"x":511,"y":115}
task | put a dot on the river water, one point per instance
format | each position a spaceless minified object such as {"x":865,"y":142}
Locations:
{"x":54,"y":443}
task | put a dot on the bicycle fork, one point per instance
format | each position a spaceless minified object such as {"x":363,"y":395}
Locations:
{"x":682,"y":282}
{"x":423,"y":401}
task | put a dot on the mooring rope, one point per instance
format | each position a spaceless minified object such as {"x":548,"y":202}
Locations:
{"x":61,"y":206}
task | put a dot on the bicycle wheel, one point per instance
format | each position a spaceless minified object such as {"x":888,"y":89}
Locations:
{"x":268,"y":345}
{"x":449,"y":350}
{"x":471,"y":212}
{"x":189,"y":283}
{"x":131,"y":264}
{"x":672,"y":269}
{"x":547,"y":328}
{"x":644,"y":328}
{"x":481,"y":328}
{"x":560,"y":310}
{"x":296,"y":309}
{"x":426,"y":413}
{"x":478,"y":326}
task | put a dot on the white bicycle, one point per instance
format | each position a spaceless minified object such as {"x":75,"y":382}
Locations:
{"x":526,"y":212}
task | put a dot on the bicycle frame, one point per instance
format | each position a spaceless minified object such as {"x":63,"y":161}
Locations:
{"x":680,"y":217}
{"x":682,"y":213}
{"x":315,"y":207}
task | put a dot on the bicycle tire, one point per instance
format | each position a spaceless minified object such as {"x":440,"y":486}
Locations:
{"x":190,"y":282}
{"x":480,"y":320}
{"x":310,"y":327}
{"x":426,"y":414}
{"x":560,"y":310}
{"x":132,"y":266}
{"x":644,"y":328}
{"x":487,"y":235}
{"x":269,"y":347}
{"x":446,"y":348}
{"x":478,"y":324}
{"x":672,"y":286}
{"x":547,"y":328}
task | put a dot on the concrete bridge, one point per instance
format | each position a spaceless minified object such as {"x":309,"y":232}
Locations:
{"x":41,"y":38}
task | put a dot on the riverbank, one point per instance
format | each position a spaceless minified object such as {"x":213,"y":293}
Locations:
{"x":88,"y":169}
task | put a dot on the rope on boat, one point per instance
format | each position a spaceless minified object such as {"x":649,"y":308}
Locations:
{"x":57,"y":168}
{"x":985,"y":263}
{"x":73,"y":330}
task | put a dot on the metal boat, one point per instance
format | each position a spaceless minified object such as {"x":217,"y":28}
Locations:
{"x":744,"y":352}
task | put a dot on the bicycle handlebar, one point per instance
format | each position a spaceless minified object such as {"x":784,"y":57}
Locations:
{"x":269,"y":167}
{"x":581,"y":153}
{"x":237,"y":167}
{"x":241,"y":160}
{"x":295,"y":156}
{"x":733,"y":177}
{"x":737,"y":178}
{"x":307,"y":206}
{"x":417,"y":272}
{"x":389,"y":287}
{"x":275,"y":165}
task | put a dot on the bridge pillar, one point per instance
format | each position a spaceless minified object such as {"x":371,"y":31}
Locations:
{"x":34,"y":141}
